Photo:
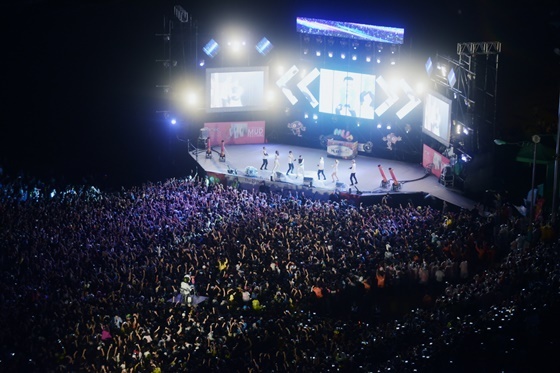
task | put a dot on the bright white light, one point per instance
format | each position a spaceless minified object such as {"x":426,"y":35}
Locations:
{"x":173,"y":121}
{"x":330,"y":54}
{"x":315,"y":117}
{"x":270,"y":96}
{"x":343,"y":55}
{"x":379,"y":125}
{"x":378,"y":60}
{"x":388,"y":126}
{"x":354,"y":57}
{"x":191,"y":99}
{"x":368,"y":59}
{"x":318,"y":53}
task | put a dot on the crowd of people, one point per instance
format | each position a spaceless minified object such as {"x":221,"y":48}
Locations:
{"x":91,"y":282}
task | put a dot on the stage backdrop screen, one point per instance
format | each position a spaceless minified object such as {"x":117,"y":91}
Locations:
{"x":350,"y":30}
{"x":437,"y":117}
{"x":236,"y":89}
{"x":347,"y":93}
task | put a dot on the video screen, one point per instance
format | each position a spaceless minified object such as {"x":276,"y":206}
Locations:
{"x":349,"y":30}
{"x":236,"y":89}
{"x":437,"y":117}
{"x":346,"y":93}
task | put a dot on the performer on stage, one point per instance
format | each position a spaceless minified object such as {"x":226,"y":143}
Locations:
{"x":301,"y":168}
{"x":223,"y":151}
{"x":290,"y":162}
{"x":276,"y":162}
{"x":265,"y":159}
{"x":334,"y":174}
{"x":321,"y":169}
{"x":353,"y":179}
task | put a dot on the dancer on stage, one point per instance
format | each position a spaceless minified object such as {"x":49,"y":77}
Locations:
{"x":290,"y":162}
{"x":321,"y":169}
{"x":265,"y":159}
{"x":334,"y":174}
{"x":353,"y":179}
{"x":301,"y":167}
{"x":276,"y":162}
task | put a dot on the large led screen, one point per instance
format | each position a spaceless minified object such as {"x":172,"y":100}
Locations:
{"x":437,"y":117}
{"x":236,"y":89}
{"x":349,"y":30}
{"x":346,"y":93}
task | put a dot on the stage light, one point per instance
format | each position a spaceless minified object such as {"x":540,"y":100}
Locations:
{"x":378,"y":60}
{"x":305,"y":50}
{"x":173,"y":121}
{"x":315,"y":116}
{"x":378,"y":125}
{"x":393,"y":61}
{"x":429,"y":66}
{"x":354,"y":57}
{"x":306,"y":116}
{"x":211,"y":48}
{"x":330,"y":54}
{"x":393,"y":49}
{"x":388,"y":127}
{"x":201,"y":63}
{"x":465,"y":130}
{"x":264,"y":46}
{"x":379,"y":48}
{"x":451,"y":79}
{"x":343,"y":55}
{"x":458,"y":129}
{"x":368,"y":59}
{"x":318,"y":53}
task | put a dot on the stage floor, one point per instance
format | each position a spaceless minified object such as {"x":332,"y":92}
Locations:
{"x":411,"y":177}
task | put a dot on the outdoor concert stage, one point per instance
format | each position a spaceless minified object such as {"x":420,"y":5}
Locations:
{"x":412,"y":180}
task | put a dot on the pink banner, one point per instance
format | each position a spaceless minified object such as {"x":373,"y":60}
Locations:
{"x":235,"y":132}
{"x":434,"y":160}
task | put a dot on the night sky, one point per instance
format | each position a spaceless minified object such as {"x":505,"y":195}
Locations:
{"x":79,"y":78}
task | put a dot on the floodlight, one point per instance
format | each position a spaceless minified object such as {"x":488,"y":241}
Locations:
{"x":211,"y":48}
{"x":429,"y":66}
{"x":451,"y":79}
{"x":264,"y":46}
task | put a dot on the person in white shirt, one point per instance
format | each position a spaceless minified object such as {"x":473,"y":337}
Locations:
{"x":334,"y":174}
{"x":265,"y":158}
{"x":321,"y":169}
{"x":301,"y":167}
{"x":276,"y":161}
{"x":353,"y":179}
{"x":290,"y":163}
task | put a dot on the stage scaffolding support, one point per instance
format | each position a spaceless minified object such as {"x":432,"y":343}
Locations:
{"x":473,"y":94}
{"x":481,"y":59}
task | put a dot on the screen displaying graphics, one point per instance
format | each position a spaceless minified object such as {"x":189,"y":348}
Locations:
{"x":437,"y":117}
{"x":236,"y":89}
{"x":358,"y":31}
{"x":351,"y":94}
{"x":346,"y":93}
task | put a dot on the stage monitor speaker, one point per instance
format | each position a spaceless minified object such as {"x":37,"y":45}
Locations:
{"x":308,"y":181}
